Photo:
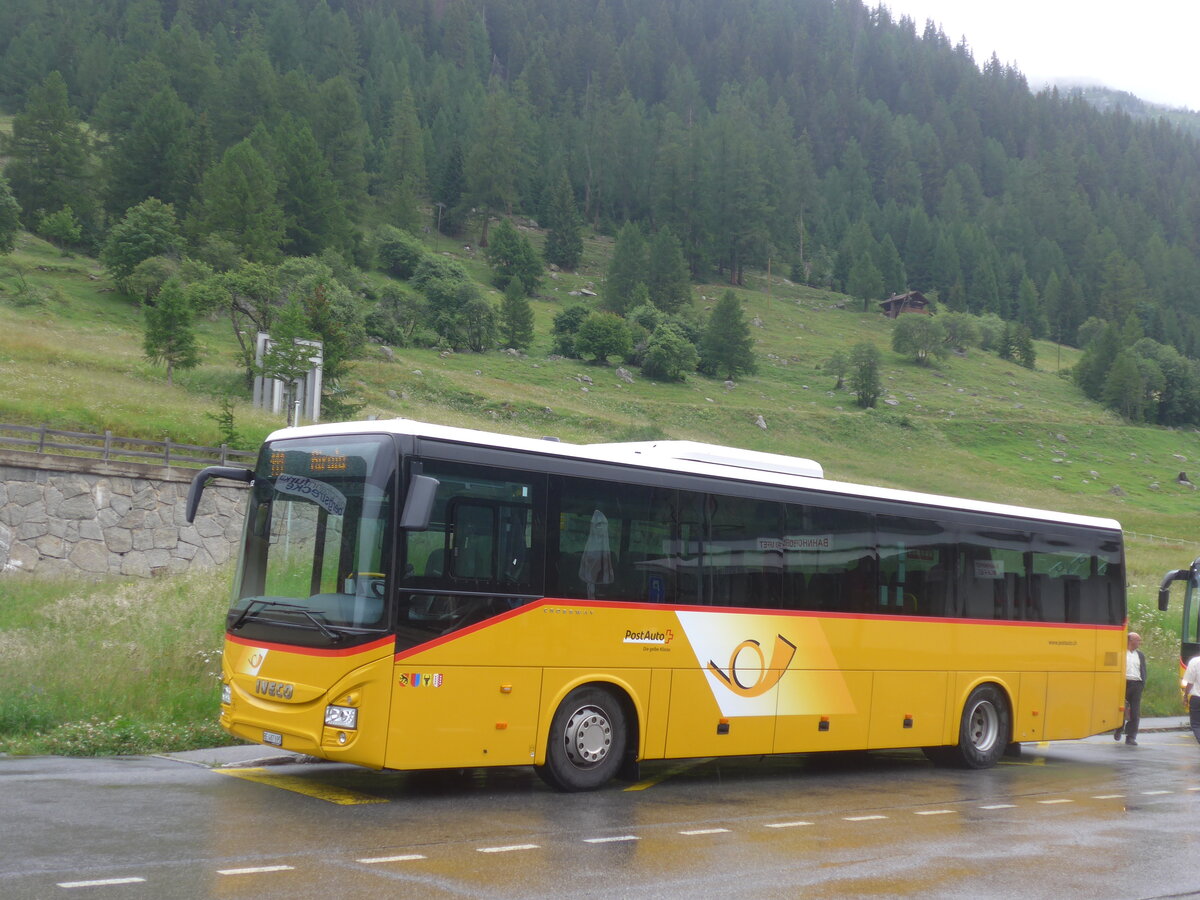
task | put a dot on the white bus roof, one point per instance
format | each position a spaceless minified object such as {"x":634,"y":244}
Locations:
{"x":690,"y":457}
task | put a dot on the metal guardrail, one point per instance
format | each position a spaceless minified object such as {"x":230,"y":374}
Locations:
{"x":107,"y":446}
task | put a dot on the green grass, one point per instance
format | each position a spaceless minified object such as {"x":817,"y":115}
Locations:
{"x":110,"y":666}
{"x":973,"y":426}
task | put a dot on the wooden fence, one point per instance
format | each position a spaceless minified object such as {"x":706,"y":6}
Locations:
{"x":107,"y":446}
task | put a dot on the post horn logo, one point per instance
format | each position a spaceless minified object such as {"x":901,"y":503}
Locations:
{"x":768,"y":676}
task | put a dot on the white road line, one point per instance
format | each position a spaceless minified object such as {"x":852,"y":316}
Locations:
{"x":787,"y":824}
{"x":100,"y":882}
{"x":1108,"y":796}
{"x":1156,"y":793}
{"x":257,"y":870}
{"x":1058,"y":800}
{"x":1000,"y":806}
{"x":610,"y":840}
{"x":387,"y":859}
{"x":508,"y":849}
{"x":934,"y":812}
{"x":862,"y":818}
{"x":706,"y":831}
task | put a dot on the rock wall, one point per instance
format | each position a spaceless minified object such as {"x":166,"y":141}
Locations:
{"x":62,"y":515}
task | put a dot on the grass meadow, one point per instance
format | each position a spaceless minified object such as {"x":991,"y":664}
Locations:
{"x":95,"y":658}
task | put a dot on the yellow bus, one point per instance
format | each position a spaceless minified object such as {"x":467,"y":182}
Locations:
{"x":412,"y":596}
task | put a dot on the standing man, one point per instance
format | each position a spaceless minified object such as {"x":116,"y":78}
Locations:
{"x":1135,"y":682}
{"x":1191,"y":693}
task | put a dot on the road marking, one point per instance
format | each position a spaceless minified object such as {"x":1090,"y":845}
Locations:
{"x":862,"y":818}
{"x":610,"y":840}
{"x":389,"y":859}
{"x":508,"y":849}
{"x":100,"y":882}
{"x":1000,"y":806}
{"x":706,"y":831}
{"x":669,"y":773}
{"x":1156,"y":793}
{"x":934,"y":812}
{"x":1058,"y":800}
{"x":788,"y":824}
{"x":1108,"y":796}
{"x":298,"y":785}
{"x":256,"y":870}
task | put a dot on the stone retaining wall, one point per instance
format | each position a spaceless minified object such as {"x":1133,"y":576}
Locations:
{"x":63,"y":515}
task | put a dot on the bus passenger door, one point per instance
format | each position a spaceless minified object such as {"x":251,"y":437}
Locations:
{"x":462,"y":716}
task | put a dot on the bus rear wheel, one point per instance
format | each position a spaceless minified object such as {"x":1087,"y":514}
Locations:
{"x":984,"y":730}
{"x":587,"y":744}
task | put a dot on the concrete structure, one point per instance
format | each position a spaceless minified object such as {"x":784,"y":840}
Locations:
{"x":65,"y":515}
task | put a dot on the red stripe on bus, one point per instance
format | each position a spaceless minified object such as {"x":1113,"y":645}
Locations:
{"x":314,"y":651}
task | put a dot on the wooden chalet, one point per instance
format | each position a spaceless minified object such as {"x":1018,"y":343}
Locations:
{"x":912,"y":302}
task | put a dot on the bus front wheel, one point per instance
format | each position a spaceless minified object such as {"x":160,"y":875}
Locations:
{"x":983,"y":733}
{"x":587,"y":741}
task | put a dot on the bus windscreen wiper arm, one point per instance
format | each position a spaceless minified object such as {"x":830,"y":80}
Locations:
{"x":323,"y":627}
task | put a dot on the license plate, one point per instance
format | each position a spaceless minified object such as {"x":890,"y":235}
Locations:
{"x":274,"y":738}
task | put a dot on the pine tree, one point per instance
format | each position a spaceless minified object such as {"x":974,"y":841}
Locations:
{"x":154,"y":157}
{"x":47,"y":153}
{"x":726,"y":348}
{"x":564,"y":235}
{"x":865,"y":378}
{"x":237,"y":201}
{"x":494,"y":159}
{"x":516,"y":317}
{"x":10,"y":217}
{"x":449,"y":209}
{"x":626,"y":269}
{"x":314,"y":217}
{"x":667,"y":277}
{"x":169,"y":337}
{"x":402,"y":171}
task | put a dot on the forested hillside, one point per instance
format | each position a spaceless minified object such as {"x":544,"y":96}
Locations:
{"x":197,"y":144}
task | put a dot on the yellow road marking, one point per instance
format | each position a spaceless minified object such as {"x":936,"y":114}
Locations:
{"x":670,"y":773}
{"x":302,"y":786}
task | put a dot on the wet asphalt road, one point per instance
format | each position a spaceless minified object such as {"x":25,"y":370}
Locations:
{"x":1069,"y":819}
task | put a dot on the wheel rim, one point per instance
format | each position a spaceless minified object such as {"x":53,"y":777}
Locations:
{"x":588,"y":736}
{"x":983,"y":726}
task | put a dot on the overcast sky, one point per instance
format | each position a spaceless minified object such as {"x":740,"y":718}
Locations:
{"x":1150,"y":48}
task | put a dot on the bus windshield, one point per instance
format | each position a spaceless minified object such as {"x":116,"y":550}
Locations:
{"x":314,"y":566}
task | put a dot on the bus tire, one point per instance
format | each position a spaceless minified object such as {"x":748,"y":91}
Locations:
{"x":984,"y":730}
{"x":587,"y":743}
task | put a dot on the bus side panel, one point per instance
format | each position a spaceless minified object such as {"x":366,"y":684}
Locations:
{"x":1029,"y":720}
{"x":654,"y":729}
{"x":908,"y":709}
{"x":696,"y":729}
{"x":842,"y":723}
{"x":1109,"y":704}
{"x":1069,"y":699}
{"x":453,"y":716}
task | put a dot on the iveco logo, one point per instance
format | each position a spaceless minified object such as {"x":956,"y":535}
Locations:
{"x":273,"y":689}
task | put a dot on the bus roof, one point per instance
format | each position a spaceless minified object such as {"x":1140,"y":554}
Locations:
{"x":689,"y":457}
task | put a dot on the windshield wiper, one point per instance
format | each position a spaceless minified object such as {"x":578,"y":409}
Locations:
{"x":313,"y":617}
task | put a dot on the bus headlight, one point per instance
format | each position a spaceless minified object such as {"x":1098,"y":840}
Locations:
{"x":341,"y":717}
{"x":226,"y":693}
